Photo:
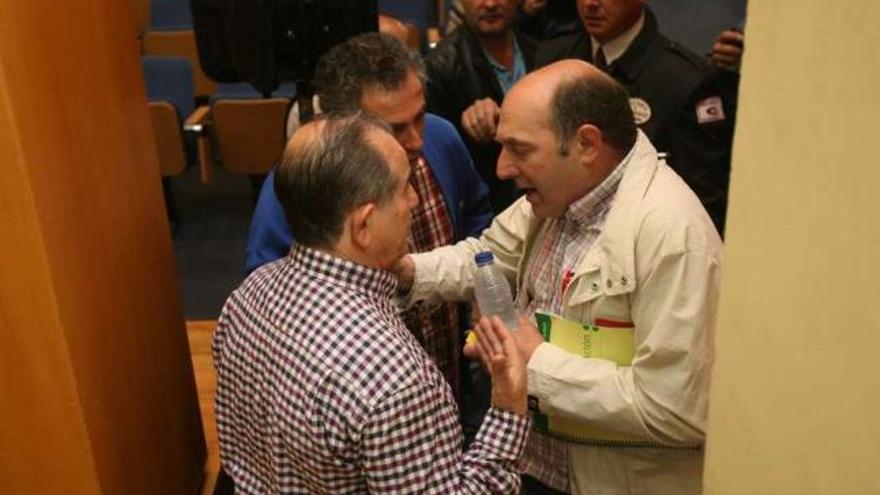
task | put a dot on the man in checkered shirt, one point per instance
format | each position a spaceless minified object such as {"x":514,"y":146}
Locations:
{"x":375,"y":73}
{"x":321,"y":388}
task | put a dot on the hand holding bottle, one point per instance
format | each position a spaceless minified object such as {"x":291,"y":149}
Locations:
{"x":497,"y":349}
{"x":492,"y":291}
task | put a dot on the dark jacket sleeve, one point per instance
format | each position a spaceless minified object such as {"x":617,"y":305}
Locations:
{"x":476,"y":212}
{"x":572,"y":45}
{"x":699,"y":142}
{"x":445,"y":92}
{"x":435,"y":89}
{"x":475,"y":207}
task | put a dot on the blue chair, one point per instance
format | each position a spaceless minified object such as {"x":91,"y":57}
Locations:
{"x":171,"y":34}
{"x":169,"y":92}
{"x":168,"y":83}
{"x":245,"y":91}
{"x":170,"y":15}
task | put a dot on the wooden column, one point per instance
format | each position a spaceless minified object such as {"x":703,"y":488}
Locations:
{"x":96,"y":386}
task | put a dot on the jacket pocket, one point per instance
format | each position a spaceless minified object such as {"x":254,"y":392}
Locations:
{"x":589,"y":300}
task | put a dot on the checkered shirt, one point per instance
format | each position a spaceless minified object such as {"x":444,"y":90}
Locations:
{"x":561,"y":243}
{"x":321,"y":389}
{"x":435,"y":326}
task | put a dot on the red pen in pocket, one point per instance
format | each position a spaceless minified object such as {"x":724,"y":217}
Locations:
{"x":566,"y":279}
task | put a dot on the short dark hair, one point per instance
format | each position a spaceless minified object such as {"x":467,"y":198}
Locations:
{"x":597,"y":100}
{"x":370,"y":59}
{"x":321,"y":182}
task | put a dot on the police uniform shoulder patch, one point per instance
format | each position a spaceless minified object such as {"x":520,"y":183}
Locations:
{"x":640,"y":109}
{"x":710,"y":110}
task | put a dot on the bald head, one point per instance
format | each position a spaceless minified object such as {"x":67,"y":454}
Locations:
{"x":571,"y":93}
{"x":303,"y":137}
{"x":540,"y":85}
{"x":330,"y":166}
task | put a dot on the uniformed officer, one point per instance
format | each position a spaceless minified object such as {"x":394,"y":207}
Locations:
{"x":683,"y":105}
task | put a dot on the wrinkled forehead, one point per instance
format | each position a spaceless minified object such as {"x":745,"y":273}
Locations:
{"x":522,"y":117}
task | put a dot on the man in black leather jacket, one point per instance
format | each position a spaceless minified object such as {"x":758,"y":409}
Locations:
{"x":468,"y":74}
{"x":686,"y":107}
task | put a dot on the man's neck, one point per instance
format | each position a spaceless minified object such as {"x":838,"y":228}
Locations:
{"x":500,"y":48}
{"x":346,"y":251}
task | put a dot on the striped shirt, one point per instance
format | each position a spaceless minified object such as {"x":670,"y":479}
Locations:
{"x":321,"y":389}
{"x":560,"y":245}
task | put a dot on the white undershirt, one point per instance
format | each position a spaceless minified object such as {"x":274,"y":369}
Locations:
{"x":615,"y":48}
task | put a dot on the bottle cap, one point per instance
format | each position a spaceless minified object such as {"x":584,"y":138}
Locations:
{"x":483,"y":258}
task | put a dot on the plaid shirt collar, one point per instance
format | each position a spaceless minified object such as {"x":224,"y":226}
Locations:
{"x":583,"y":211}
{"x":352,"y":276}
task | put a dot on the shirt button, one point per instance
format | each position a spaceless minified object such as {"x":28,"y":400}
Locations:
{"x":623,"y":280}
{"x":609,"y":283}
{"x":594,"y":286}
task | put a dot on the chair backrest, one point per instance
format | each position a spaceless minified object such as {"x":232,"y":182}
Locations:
{"x":169,"y":78}
{"x":169,"y":142}
{"x":181,"y":44}
{"x":169,"y":88}
{"x":246,"y":91}
{"x":170,"y":15}
{"x":250,"y":133}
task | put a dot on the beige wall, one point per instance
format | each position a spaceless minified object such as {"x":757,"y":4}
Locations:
{"x":796,"y":394}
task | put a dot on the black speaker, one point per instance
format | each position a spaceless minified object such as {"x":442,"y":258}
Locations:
{"x":267,"y":42}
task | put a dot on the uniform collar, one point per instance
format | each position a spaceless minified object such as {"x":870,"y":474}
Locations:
{"x":615,"y":48}
{"x":637,"y":54}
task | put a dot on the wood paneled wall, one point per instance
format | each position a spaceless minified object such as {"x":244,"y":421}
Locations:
{"x":96,"y":387}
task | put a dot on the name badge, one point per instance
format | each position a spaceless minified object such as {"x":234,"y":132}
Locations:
{"x":640,"y":109}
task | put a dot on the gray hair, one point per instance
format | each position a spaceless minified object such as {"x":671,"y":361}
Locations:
{"x":364,"y":61}
{"x":320,"y":183}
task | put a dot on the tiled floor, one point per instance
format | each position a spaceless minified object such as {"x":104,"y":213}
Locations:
{"x":209,"y":244}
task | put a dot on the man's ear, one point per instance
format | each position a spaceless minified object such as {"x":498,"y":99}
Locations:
{"x":589,"y":142}
{"x":359,"y":225}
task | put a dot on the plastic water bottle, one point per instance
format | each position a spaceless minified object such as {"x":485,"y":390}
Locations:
{"x":492,"y":291}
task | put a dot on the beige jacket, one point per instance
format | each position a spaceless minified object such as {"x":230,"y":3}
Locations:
{"x":656,"y":264}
